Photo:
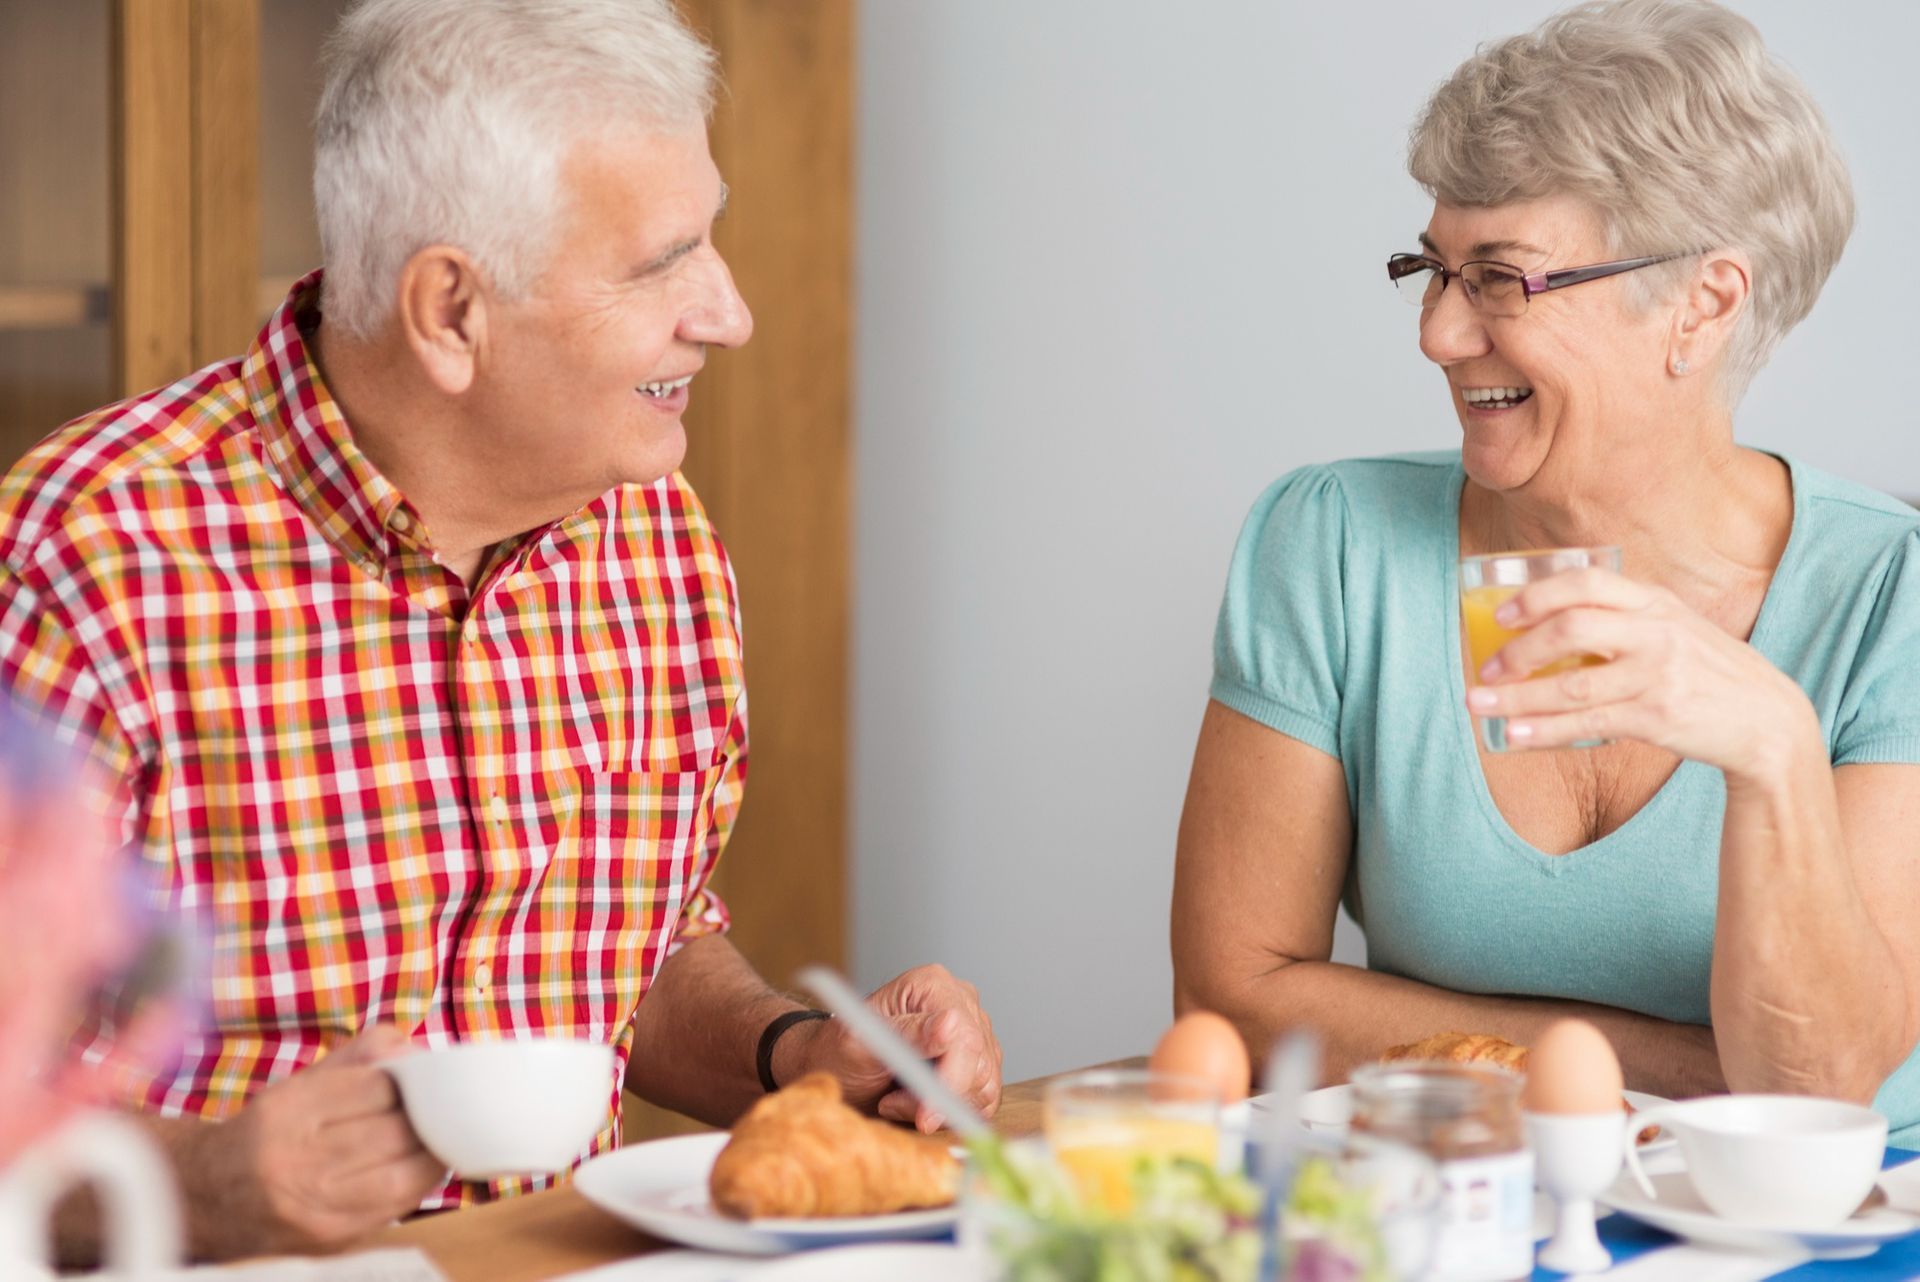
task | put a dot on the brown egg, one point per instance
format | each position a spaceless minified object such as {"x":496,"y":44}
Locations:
{"x":1204,"y":1045}
{"x":1572,"y":1069}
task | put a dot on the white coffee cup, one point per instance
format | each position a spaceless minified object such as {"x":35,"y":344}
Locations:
{"x":132,"y":1180}
{"x":1779,"y":1161}
{"x":495,"y":1108}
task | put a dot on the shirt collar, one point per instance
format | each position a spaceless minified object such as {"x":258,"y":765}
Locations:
{"x":308,"y":443}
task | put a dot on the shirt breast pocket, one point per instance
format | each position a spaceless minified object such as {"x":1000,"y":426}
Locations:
{"x":639,"y":854}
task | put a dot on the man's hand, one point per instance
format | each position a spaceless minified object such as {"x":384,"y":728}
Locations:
{"x":939,"y":1016}
{"x":312,"y":1161}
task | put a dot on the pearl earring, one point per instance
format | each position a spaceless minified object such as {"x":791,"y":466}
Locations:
{"x":1680,"y":365}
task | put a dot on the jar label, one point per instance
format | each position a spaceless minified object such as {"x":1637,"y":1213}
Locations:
{"x":1486,"y":1219}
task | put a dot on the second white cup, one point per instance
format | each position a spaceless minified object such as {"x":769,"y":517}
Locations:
{"x":1777,"y":1161}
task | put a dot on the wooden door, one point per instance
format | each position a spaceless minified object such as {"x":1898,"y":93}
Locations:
{"x":770,"y":450}
{"x":186,"y":87}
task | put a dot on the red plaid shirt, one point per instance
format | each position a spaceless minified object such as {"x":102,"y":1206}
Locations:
{"x":472,"y":814}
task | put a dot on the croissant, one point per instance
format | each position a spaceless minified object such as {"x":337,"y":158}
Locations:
{"x":1463,"y":1048}
{"x":801,"y":1152}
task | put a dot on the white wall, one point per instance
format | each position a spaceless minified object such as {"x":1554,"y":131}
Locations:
{"x":1119,"y":266}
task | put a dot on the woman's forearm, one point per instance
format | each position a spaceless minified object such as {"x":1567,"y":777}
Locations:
{"x":1360,"y":1013}
{"x":1807,"y":995}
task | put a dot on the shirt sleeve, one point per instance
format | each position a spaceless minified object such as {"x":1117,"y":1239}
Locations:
{"x":704,"y":912}
{"x":1279,"y":649}
{"x":1879,"y":716}
{"x":46,"y":676}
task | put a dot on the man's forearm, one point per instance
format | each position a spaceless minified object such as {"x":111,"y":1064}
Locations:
{"x":698,"y":1029}
{"x":1359,"y":1013}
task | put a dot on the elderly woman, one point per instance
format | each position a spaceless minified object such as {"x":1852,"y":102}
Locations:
{"x":1632,"y":206}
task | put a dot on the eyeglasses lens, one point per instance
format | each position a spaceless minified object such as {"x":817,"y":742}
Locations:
{"x":1491,"y":287}
{"x":1420,"y":285}
{"x":1495,"y":289}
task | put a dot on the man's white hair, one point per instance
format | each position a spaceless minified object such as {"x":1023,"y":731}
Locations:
{"x":1671,"y":120}
{"x":446,"y":122}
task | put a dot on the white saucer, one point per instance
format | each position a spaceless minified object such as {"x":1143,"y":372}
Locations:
{"x":660,"y":1187}
{"x":1679,"y":1211}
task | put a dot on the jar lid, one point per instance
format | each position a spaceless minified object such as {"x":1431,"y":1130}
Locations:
{"x":1436,"y":1088}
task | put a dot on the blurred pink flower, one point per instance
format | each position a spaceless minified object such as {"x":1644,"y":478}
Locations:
{"x":66,"y":926}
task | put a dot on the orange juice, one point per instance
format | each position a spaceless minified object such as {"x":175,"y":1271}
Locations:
{"x":1485,"y":637}
{"x":1099,"y":1153}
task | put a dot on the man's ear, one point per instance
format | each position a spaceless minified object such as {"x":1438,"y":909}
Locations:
{"x":1709,"y":310}
{"x":442,"y":315}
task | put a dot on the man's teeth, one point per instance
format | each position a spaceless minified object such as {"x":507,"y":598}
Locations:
{"x":665,"y":389}
{"x":1495,"y":397}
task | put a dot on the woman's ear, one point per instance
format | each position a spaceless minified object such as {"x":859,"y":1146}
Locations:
{"x":442,"y":315}
{"x":1709,"y":311}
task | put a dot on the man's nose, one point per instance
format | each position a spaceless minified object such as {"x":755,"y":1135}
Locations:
{"x":717,"y":315}
{"x":1451,"y":330}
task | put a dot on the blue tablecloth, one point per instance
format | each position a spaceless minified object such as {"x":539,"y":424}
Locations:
{"x":1628,"y":1239}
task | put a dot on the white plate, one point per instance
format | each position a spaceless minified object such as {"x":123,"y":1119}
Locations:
{"x":887,"y":1262}
{"x":1329,"y":1111}
{"x":660,"y":1187}
{"x":1679,"y":1211}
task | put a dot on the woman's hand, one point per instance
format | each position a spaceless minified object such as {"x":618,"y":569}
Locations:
{"x":1672,"y":679}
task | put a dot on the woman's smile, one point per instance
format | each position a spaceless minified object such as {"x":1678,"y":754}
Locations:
{"x":1494,"y":400}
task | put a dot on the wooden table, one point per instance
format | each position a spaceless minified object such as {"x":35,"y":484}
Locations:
{"x":557,"y":1231}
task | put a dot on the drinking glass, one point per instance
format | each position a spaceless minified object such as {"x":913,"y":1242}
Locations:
{"x":1488,"y":582}
{"x":1100,"y":1123}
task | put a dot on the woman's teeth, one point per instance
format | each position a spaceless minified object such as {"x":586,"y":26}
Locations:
{"x":664,"y":390}
{"x":1495,"y":398}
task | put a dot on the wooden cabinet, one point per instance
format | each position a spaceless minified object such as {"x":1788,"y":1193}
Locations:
{"x":155,"y":204}
{"x":55,"y":229}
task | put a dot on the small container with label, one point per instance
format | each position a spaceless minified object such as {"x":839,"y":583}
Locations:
{"x":1466,"y":1117}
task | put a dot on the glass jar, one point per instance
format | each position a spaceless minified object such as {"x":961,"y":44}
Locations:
{"x":1466,"y":1117}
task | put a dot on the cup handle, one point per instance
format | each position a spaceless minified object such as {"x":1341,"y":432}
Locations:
{"x":139,"y":1204}
{"x":1635,"y":1123}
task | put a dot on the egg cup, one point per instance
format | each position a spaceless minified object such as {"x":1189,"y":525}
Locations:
{"x":1576,"y":1157}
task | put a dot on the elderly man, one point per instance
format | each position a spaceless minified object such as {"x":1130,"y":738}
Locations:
{"x":416,"y":660}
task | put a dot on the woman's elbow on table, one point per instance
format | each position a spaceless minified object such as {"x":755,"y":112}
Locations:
{"x":1851,"y":1066}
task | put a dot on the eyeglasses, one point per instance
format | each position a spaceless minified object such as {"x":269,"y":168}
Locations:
{"x":1499,"y":289}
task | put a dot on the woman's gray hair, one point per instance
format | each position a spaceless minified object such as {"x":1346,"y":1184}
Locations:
{"x":1673,"y":122}
{"x":446,"y":122}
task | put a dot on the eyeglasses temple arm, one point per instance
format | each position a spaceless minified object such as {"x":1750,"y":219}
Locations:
{"x":1543,"y":281}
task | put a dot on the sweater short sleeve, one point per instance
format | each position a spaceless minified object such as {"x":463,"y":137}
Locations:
{"x":1879,"y":714}
{"x":1279,"y":649}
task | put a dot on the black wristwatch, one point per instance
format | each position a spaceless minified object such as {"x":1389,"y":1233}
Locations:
{"x":770,"y":1036}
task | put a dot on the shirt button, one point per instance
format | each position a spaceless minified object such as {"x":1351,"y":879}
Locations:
{"x":497,"y":809}
{"x":401,"y":521}
{"x":482,"y":977}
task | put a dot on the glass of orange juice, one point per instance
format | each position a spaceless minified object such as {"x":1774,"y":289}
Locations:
{"x":1100,"y":1124}
{"x":1488,"y":582}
